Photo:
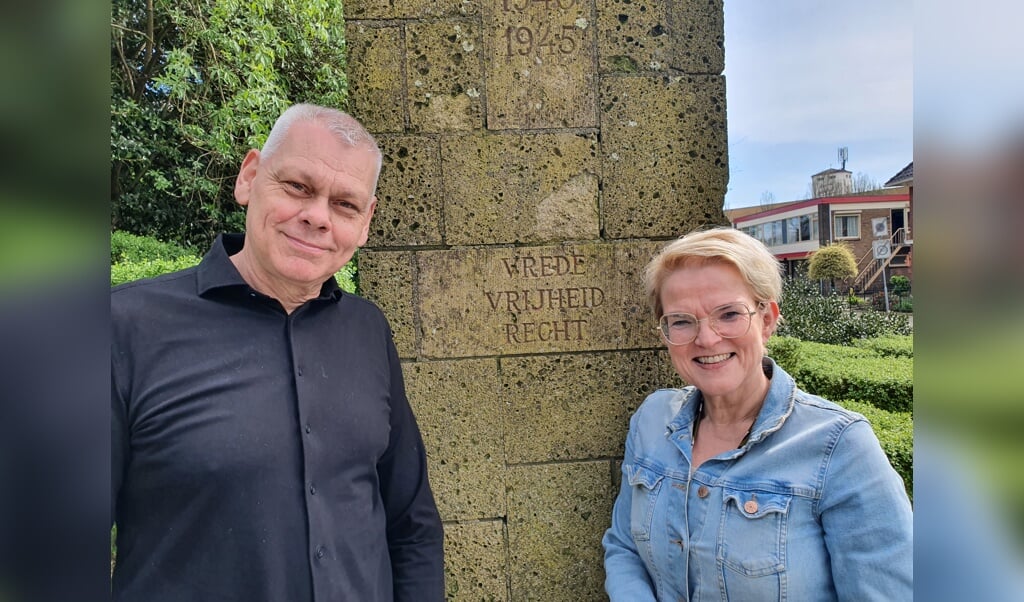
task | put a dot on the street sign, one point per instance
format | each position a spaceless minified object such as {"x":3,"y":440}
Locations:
{"x":881,"y":249}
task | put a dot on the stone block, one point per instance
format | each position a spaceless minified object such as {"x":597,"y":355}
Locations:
{"x":632,"y":37}
{"x":697,"y":31}
{"x":552,"y":399}
{"x":540,"y":66}
{"x":558,"y":514}
{"x":664,"y":155}
{"x":409,"y":199}
{"x":386,"y":278}
{"x":474,"y":562}
{"x":374,"y":71}
{"x":444,"y":76}
{"x":520,"y":188}
{"x":686,"y":36}
{"x":459,"y":413}
{"x":511,"y":301}
{"x":410,"y":9}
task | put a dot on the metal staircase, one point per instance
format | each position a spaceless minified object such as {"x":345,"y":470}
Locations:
{"x":869,"y":268}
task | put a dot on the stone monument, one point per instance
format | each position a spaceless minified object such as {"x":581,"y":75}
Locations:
{"x":536,"y":154}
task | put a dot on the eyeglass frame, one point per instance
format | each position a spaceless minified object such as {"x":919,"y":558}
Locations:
{"x":661,"y":329}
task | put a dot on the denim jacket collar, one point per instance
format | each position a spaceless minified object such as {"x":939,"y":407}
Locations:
{"x":778,"y":404}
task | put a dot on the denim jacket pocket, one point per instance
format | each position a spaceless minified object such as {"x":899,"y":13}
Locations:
{"x":645,"y":483}
{"x":752,"y":538}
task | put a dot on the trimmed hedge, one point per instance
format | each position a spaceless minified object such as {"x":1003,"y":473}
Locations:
{"x":888,"y":346}
{"x":841,"y":372}
{"x":895,"y":431}
{"x":873,"y":378}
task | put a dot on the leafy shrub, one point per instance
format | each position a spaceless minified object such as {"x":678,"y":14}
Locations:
{"x":810,"y":317}
{"x":835,"y":261}
{"x":899,"y":285}
{"x":127,"y":271}
{"x":905,"y":305}
{"x":895,"y":431}
{"x":785,"y":351}
{"x":840,"y":372}
{"x":125,"y":246}
{"x":888,"y":346}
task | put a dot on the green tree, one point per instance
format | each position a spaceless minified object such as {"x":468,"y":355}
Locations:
{"x":832,"y":262}
{"x":194,"y":85}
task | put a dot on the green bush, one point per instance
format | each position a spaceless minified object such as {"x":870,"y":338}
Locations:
{"x":127,"y":271}
{"x":839,"y":372}
{"x":888,"y":346}
{"x":905,"y":305}
{"x":125,"y":246}
{"x":895,"y":431}
{"x":810,"y":317}
{"x":899,"y":285}
{"x":785,"y":351}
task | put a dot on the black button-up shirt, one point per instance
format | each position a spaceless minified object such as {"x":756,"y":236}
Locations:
{"x":258,"y":455}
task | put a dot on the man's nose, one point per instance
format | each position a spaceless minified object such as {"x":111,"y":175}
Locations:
{"x":316,"y":213}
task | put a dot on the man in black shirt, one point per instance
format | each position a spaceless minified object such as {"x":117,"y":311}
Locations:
{"x":263,"y":446}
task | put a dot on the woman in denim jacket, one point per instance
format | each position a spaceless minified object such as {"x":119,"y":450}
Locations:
{"x":741,"y":486}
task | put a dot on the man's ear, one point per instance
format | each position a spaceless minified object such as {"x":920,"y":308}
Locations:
{"x":246,"y":175}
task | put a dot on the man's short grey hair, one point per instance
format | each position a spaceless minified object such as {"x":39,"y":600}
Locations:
{"x":344,"y":127}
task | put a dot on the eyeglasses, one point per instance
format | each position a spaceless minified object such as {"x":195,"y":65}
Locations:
{"x":728,"y":321}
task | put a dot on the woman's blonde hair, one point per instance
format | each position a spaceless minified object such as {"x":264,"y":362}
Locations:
{"x":757,"y":266}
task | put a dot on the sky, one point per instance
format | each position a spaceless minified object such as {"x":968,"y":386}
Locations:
{"x":806,"y":77}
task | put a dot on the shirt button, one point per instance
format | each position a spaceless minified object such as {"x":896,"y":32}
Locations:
{"x":320,"y":552}
{"x":308,"y":429}
{"x":750,"y":506}
{"x":299,"y":371}
{"x":702,"y":492}
{"x":312,"y":489}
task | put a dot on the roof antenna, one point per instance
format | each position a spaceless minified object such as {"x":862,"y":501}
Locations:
{"x":844,"y":154}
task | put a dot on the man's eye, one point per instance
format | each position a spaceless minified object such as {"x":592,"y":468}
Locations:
{"x":298,"y":187}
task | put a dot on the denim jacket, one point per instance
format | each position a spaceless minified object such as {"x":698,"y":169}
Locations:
{"x":808,"y":509}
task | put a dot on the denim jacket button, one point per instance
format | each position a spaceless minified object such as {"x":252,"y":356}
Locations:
{"x":702,"y":492}
{"x":750,"y":507}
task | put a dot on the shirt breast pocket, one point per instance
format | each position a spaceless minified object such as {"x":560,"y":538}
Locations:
{"x":752,"y":536}
{"x":646,"y":484}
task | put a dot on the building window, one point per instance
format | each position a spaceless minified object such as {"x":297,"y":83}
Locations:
{"x":802,"y":228}
{"x":847,"y":226}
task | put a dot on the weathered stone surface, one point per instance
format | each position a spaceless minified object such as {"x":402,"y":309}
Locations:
{"x":686,"y":36}
{"x":540,"y":70}
{"x":551,"y":399}
{"x":458,"y":410}
{"x":697,"y":29}
{"x":632,"y":37}
{"x":474,"y":561}
{"x":376,"y":87}
{"x":572,"y":297}
{"x":557,"y":516}
{"x":520,"y":188}
{"x":663,"y":155}
{"x":444,"y":76}
{"x":409,"y":9}
{"x":409,"y":199}
{"x":387,"y":280}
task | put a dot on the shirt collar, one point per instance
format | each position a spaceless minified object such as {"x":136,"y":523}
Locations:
{"x":216,"y":271}
{"x":778,"y":404}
